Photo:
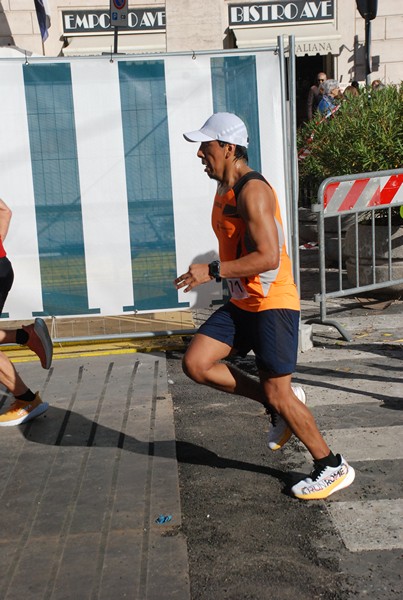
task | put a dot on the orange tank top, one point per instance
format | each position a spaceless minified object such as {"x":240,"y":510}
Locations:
{"x":268,"y":290}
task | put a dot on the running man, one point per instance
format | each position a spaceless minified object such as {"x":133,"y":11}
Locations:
{"x":264,"y":310}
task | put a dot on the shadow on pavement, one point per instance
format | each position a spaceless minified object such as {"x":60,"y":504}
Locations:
{"x":83,"y":432}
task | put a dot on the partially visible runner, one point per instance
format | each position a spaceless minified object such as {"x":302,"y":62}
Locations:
{"x":26,"y":404}
{"x":264,"y":310}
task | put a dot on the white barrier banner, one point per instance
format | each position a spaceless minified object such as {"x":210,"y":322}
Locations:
{"x":109,"y":201}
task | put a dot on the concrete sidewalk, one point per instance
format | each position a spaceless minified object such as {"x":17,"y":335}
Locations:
{"x":84,"y":485}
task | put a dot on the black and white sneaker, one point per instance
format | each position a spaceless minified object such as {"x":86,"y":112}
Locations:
{"x":324,"y":481}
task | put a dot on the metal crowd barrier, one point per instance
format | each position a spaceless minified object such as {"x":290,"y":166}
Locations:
{"x":366,"y":196}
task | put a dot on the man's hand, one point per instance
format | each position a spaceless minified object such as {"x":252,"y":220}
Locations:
{"x":196,"y":275}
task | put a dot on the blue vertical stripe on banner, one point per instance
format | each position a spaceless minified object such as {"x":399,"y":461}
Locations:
{"x":52,"y":138}
{"x":149,"y":187}
{"x":234,"y":86}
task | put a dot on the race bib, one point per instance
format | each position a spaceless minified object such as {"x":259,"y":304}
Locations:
{"x":237,"y":289}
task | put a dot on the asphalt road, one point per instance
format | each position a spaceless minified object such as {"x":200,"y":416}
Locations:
{"x":248,"y":539}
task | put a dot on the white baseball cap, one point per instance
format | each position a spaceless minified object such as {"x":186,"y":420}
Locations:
{"x":222,"y":126}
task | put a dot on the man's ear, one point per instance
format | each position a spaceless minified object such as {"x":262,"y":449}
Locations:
{"x":230,"y":150}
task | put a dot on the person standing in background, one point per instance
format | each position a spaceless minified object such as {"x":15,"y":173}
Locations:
{"x":315,"y":95}
{"x":331,"y":93}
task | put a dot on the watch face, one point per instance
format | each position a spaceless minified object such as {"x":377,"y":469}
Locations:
{"x":214,"y":268}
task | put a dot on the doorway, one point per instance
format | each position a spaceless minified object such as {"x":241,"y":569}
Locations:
{"x":306,"y":69}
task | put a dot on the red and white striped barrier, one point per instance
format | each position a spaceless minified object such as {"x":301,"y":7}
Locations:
{"x":362,"y":193}
{"x":366,"y":258}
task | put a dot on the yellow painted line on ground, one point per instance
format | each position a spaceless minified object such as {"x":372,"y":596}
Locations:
{"x":75,"y":354}
{"x":21,"y":355}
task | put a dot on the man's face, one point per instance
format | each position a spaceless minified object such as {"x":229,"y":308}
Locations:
{"x":212,"y":155}
{"x":321,"y":78}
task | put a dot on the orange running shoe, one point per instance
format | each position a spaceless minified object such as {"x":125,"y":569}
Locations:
{"x":21,"y":412}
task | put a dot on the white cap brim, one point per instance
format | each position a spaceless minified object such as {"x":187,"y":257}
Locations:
{"x":197,"y":136}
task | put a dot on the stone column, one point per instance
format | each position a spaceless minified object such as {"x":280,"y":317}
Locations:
{"x":195,"y":25}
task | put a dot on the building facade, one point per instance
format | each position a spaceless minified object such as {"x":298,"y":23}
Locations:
{"x":329,"y":34}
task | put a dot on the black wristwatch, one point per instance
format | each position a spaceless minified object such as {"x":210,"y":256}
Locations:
{"x":214,"y":270}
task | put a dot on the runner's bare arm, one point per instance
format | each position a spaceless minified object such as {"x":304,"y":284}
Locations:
{"x":256,"y":204}
{"x":5,"y":218}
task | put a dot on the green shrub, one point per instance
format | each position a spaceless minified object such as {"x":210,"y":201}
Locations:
{"x":365,"y":134}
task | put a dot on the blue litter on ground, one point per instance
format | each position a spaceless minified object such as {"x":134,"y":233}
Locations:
{"x":163,"y":519}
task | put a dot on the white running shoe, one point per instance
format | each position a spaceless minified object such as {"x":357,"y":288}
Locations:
{"x":279,"y":432}
{"x":324,"y":481}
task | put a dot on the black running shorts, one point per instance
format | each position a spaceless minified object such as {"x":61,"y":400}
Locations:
{"x":6,"y":280}
{"x":271,"y":334}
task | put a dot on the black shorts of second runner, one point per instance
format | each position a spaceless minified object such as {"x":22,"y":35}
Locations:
{"x":271,"y":334}
{"x":6,"y":280}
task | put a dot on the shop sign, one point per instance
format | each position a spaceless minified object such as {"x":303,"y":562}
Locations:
{"x":278,"y":13}
{"x":96,"y":21}
{"x":312,"y":48}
